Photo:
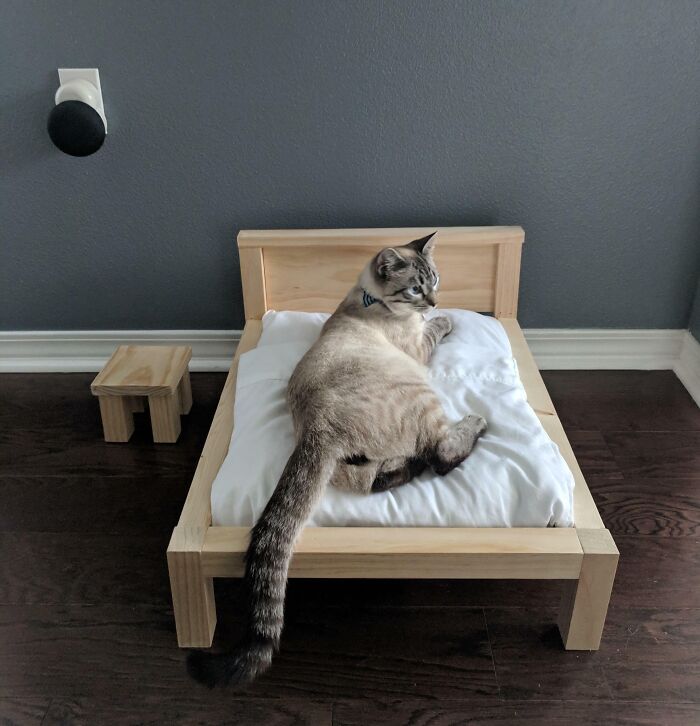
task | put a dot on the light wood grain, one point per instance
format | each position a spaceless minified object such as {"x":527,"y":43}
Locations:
{"x":117,"y":419}
{"x":136,"y":404}
{"x":585,"y":511}
{"x":184,"y":392}
{"x":311,"y":270}
{"x":133,"y":371}
{"x":253,"y":282}
{"x":585,"y":601}
{"x":142,"y":370}
{"x":395,"y":552}
{"x":197,"y":508}
{"x":315,"y":279}
{"x":507,"y":280}
{"x":192,"y":592}
{"x":378,"y":237}
{"x":165,"y":418}
{"x":537,"y":395}
{"x":308,"y":270}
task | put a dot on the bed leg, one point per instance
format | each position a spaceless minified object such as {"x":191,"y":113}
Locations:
{"x":585,"y":601}
{"x":193,"y":593}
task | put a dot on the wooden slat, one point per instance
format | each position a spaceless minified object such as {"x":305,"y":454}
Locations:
{"x":507,"y":280}
{"x":586,"y":514}
{"x":537,"y":394}
{"x":316,"y":279}
{"x":197,"y":509}
{"x":585,"y":511}
{"x":378,"y":237}
{"x":425,"y":552}
{"x":253,"y":282}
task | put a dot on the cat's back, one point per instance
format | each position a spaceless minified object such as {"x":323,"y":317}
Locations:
{"x":352,"y":351}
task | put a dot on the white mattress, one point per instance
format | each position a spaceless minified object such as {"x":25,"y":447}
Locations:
{"x":515,"y":477}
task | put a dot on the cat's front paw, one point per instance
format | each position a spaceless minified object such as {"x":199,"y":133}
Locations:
{"x":443,"y":325}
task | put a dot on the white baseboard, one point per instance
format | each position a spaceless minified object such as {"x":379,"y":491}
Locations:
{"x":600,"y":349}
{"x":54,"y":351}
{"x":584,"y":349}
{"x":687,"y":367}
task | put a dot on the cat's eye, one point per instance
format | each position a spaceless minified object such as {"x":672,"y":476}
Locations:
{"x":415,"y":290}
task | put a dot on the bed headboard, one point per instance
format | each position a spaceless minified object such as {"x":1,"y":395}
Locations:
{"x":312,"y":269}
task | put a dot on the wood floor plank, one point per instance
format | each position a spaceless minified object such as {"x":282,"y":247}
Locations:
{"x":622,"y":401}
{"x":38,"y":567}
{"x":55,"y":430}
{"x":204,"y":708}
{"x":23,"y":711}
{"x":393,"y":652}
{"x":656,"y":455}
{"x":93,"y":504}
{"x":67,"y":651}
{"x":657,"y":572}
{"x":634,"y":505}
{"x":531,"y":663}
{"x":528,"y":713}
{"x":593,"y":455}
{"x":645,"y":682}
{"x":647,"y":654}
{"x":653,"y":655}
{"x":87,"y":631}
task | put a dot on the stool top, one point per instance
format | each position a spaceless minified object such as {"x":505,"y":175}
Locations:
{"x":142,"y":370}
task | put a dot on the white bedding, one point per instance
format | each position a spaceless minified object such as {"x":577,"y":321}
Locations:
{"x":515,"y":476}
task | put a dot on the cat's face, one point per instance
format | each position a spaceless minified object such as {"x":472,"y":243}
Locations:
{"x":406,"y":277}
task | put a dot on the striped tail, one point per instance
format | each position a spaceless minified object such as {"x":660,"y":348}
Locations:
{"x":267,"y":561}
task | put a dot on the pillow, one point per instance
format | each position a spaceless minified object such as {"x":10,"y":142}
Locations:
{"x":515,"y":477}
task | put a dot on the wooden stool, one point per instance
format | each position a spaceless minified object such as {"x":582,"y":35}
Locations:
{"x":157,"y":371}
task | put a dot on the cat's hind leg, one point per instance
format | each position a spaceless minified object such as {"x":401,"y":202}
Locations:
{"x":355,"y":474}
{"x":456,"y":444}
{"x":395,"y":472}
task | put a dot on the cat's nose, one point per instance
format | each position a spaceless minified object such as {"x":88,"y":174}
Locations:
{"x":431,"y":300}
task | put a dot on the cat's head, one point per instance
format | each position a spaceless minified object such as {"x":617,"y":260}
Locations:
{"x":405,"y":278}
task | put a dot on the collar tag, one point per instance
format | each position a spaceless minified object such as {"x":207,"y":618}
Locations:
{"x":367,"y":299}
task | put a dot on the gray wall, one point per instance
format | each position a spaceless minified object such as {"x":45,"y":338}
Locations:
{"x":578,"y":120}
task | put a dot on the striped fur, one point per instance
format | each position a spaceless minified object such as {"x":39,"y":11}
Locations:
{"x":366,"y":420}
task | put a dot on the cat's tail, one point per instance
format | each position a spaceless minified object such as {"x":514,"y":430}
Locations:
{"x":303,"y":480}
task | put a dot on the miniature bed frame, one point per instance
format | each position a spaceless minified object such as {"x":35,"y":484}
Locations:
{"x":310,"y":270}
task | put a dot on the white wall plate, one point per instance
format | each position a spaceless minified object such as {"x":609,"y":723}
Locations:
{"x":91,"y":75}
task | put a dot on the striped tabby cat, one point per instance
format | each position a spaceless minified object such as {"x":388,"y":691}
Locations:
{"x":366,"y":419}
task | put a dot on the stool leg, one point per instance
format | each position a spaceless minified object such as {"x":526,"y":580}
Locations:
{"x":117,"y":421}
{"x":165,"y":418}
{"x":184,"y":391}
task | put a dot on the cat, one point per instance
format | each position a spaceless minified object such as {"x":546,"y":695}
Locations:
{"x":365,"y":419}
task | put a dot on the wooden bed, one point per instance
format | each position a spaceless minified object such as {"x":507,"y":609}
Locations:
{"x":311,"y":270}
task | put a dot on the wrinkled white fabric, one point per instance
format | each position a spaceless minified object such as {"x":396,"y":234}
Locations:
{"x":515,"y":476}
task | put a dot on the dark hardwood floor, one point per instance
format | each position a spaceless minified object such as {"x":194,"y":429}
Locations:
{"x":86,"y":629}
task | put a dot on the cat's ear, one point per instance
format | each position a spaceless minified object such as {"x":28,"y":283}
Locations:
{"x":389,"y":261}
{"x":424,"y":245}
